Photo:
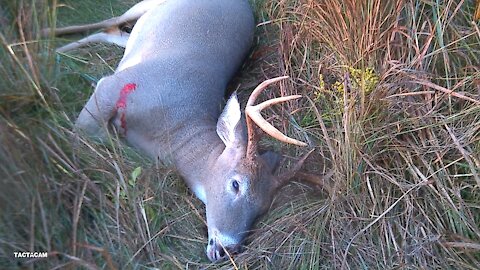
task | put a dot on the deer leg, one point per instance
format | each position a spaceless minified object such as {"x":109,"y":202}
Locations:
{"x":112,"y":35}
{"x":99,"y":110}
{"x":130,"y":15}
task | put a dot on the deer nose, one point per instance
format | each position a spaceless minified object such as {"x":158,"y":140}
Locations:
{"x":217,"y":252}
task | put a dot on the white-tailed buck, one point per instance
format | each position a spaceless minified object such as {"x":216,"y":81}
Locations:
{"x":165,"y":98}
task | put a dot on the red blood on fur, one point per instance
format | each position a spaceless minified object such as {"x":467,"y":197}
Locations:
{"x":122,"y":103}
{"x":126,"y":90}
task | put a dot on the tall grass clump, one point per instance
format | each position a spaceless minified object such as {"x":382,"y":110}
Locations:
{"x":391,"y":106}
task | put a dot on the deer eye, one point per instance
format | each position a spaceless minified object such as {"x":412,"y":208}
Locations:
{"x":235,"y":185}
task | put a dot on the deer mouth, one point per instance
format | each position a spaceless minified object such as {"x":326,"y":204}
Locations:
{"x":216,"y":252}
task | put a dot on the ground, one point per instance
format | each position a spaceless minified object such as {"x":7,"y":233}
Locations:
{"x":391,"y":106}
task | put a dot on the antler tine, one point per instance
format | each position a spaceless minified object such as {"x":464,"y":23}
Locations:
{"x":253,"y":114}
{"x":261,"y":87}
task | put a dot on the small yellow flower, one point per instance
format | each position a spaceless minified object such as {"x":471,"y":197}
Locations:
{"x":363,"y":80}
{"x":338,"y":87}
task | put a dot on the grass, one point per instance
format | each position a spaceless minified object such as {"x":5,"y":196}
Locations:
{"x":391,"y":107}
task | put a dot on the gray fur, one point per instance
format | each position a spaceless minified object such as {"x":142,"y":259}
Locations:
{"x":180,"y":56}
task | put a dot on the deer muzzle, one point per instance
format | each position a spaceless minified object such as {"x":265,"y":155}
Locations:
{"x":218,"y":250}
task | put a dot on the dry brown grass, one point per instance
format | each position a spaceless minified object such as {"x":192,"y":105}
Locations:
{"x":391,"y":106}
{"x":395,"y":105}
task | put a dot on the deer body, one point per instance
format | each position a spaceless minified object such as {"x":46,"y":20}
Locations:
{"x":178,"y":59}
{"x":165,"y":99}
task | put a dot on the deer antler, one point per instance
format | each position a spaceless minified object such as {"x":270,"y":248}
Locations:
{"x":252,"y":113}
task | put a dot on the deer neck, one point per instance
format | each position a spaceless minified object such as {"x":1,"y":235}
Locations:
{"x":196,"y":155}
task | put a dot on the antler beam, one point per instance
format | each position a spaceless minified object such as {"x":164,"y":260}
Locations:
{"x":253,"y":114}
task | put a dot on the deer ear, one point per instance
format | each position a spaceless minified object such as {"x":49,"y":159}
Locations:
{"x":229,"y":122}
{"x":272,"y":160}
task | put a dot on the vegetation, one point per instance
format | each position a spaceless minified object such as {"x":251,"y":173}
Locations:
{"x":391,"y":105}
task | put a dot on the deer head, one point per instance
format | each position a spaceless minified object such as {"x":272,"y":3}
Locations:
{"x":243,"y":181}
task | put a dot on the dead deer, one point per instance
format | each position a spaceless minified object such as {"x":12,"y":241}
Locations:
{"x":165,"y":97}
